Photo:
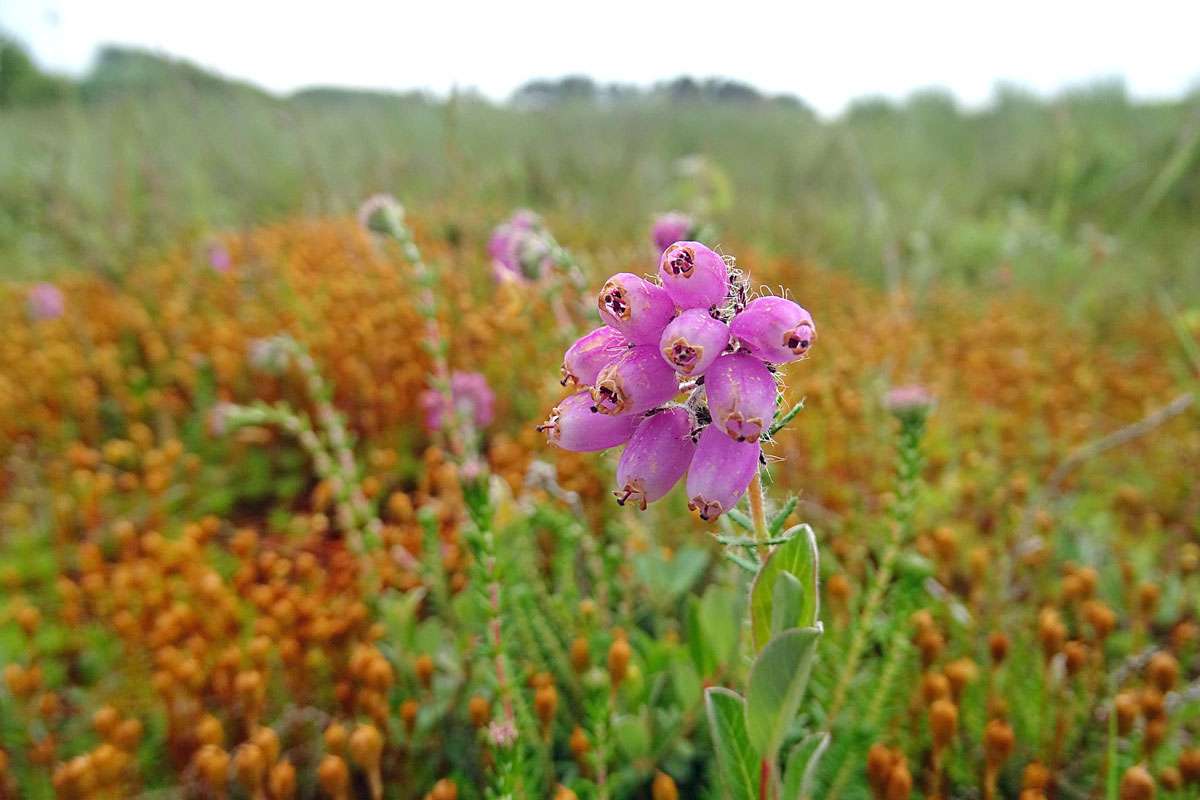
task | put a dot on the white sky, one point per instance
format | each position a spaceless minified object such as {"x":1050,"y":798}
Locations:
{"x":825,"y":52}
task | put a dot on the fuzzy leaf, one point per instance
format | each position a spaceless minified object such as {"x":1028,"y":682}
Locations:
{"x":802,"y":766}
{"x":737,"y":763}
{"x":798,"y":556}
{"x":777,"y":683}
{"x":780,"y":517}
{"x":785,"y":599}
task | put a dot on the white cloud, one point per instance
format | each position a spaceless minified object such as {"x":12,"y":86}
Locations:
{"x":826,"y":53}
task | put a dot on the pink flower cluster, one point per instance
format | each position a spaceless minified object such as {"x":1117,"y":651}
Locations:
{"x":521,"y":248}
{"x":471,"y":396}
{"x":686,"y":332}
{"x":45,"y":301}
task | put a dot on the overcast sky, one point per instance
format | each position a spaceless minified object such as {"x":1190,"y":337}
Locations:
{"x":827,"y":53}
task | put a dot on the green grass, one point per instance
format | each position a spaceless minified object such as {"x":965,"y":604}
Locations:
{"x":1090,"y":197}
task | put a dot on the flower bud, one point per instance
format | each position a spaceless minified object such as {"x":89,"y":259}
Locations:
{"x":591,"y":353}
{"x":656,"y":457}
{"x":664,"y":787}
{"x":423,"y":667}
{"x":998,"y":741}
{"x":366,"y":747}
{"x":880,"y":761}
{"x":670,"y":228}
{"x":638,"y":381}
{"x":335,"y":737}
{"x":693,"y":275}
{"x":943,"y":723}
{"x":479,"y":710}
{"x":1136,"y":784}
{"x":635,"y":307}
{"x":574,"y":426}
{"x":774,"y":329}
{"x":720,"y":472}
{"x":578,"y":743}
{"x":1163,"y":671}
{"x":545,"y":704}
{"x":741,"y":396}
{"x":997,"y":647}
{"x":1189,"y":766}
{"x":692,"y":341}
{"x":333,"y":776}
{"x":581,"y":656}
{"x":1126,"y":707}
{"x":282,"y":781}
{"x":619,"y":654}
{"x":45,"y":301}
{"x":899,"y":785}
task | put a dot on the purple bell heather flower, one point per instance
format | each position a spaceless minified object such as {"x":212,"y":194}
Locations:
{"x":638,"y":381}
{"x":692,"y":342}
{"x":741,"y":396}
{"x":219,"y":258}
{"x":908,"y":401}
{"x":591,"y":353}
{"x":720,"y":471}
{"x":573,"y":426}
{"x":775,"y":330}
{"x":656,"y":457}
{"x":693,"y":275}
{"x":636,"y":307}
{"x":519,"y":248}
{"x":471,"y":395}
{"x":45,"y":301}
{"x":670,"y":228}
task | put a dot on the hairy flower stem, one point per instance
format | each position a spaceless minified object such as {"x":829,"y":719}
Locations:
{"x":758,"y":516}
{"x":912,"y":426}
{"x":456,"y":431}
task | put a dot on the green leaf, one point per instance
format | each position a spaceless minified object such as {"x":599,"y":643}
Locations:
{"x":632,"y":734}
{"x":785,"y":599}
{"x":777,"y":683}
{"x":686,"y":681}
{"x":779,"y":518}
{"x":802,"y":766}
{"x":668,"y":579}
{"x":720,"y":620}
{"x":798,"y":556}
{"x":740,"y":518}
{"x":737,"y":763}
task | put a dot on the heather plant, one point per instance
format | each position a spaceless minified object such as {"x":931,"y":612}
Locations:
{"x":695,"y":332}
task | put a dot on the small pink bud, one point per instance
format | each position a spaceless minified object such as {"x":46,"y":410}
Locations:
{"x":656,"y":457}
{"x":574,"y":426}
{"x":45,"y":301}
{"x":591,"y":353}
{"x":693,"y":275}
{"x":670,"y":228}
{"x":775,"y":330}
{"x":720,"y":471}
{"x":908,"y":400}
{"x":636,"y":382}
{"x":693,"y":341}
{"x":636,"y":307}
{"x":741,"y":396}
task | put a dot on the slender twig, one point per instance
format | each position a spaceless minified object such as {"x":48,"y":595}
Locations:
{"x":1096,"y":447}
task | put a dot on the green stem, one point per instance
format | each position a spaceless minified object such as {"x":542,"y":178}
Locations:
{"x":762,"y":532}
{"x":907,"y":481}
